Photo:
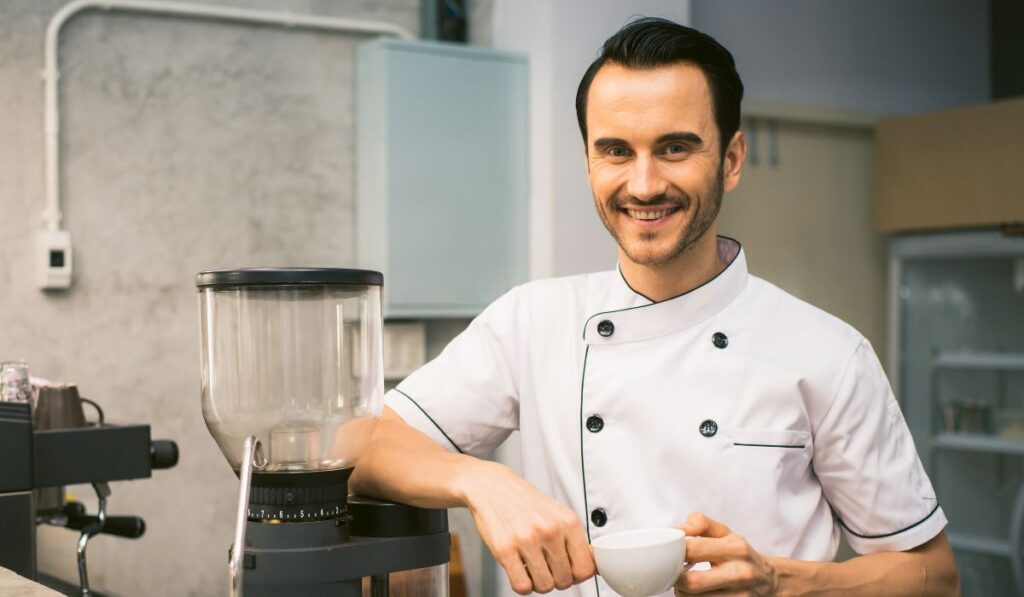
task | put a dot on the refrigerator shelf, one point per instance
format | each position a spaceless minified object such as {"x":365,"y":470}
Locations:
{"x":996,"y":361}
{"x":956,"y":311}
{"x":983,"y":545}
{"x":979,"y":443}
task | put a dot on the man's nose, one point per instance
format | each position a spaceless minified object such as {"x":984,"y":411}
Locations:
{"x":646,"y":181}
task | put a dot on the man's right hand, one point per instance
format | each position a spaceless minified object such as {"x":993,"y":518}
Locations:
{"x":539,"y":542}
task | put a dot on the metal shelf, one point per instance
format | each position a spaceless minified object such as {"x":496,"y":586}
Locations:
{"x":1005,"y":361}
{"x":983,"y":545}
{"x":979,"y":443}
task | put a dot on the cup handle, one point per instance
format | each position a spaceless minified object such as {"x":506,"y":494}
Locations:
{"x":99,"y":411}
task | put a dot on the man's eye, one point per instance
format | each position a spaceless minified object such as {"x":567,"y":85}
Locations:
{"x":675,"y":149}
{"x":618,"y":152}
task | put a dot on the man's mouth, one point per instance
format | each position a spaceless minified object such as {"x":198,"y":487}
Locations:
{"x":650,"y":215}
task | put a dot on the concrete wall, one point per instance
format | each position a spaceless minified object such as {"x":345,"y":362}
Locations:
{"x":187,"y":145}
{"x":863,"y":55}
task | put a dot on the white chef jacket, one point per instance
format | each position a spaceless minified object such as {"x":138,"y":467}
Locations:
{"x":734,"y":399}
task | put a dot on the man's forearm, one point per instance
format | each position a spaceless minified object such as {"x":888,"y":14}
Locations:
{"x":402,"y":464}
{"x":927,"y":570}
{"x":539,"y":542}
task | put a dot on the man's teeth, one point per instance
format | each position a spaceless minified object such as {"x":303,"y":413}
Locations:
{"x":648,"y":215}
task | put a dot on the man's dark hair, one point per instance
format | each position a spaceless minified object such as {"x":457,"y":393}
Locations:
{"x":650,"y":43}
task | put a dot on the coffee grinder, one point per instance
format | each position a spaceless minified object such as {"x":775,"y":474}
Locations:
{"x":292,"y":387}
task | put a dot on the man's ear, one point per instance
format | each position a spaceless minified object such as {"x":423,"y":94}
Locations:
{"x":732,"y":162}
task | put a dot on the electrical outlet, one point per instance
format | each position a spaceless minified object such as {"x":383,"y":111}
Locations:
{"x":54,"y":259}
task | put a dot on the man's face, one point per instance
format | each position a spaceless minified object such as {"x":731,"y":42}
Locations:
{"x":653,"y":159}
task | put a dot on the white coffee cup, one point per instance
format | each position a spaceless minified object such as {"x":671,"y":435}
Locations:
{"x":640,"y":563}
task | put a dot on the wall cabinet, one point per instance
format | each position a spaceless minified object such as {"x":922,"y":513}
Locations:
{"x":442,"y":180}
{"x":959,"y":168}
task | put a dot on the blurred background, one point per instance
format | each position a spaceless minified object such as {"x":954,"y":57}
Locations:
{"x":882,"y":185}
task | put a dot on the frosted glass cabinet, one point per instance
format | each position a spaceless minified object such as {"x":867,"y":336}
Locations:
{"x":957,"y":319}
{"x":442,"y":180}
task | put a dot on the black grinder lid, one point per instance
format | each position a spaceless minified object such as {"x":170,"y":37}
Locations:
{"x":288,"y":276}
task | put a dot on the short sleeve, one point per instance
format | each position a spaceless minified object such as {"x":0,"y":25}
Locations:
{"x":467,"y":398}
{"x":869,"y":469}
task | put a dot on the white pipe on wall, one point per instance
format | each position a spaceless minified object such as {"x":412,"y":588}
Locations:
{"x":51,"y":125}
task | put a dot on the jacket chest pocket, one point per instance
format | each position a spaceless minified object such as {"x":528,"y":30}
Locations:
{"x":765,"y":464}
{"x":762,"y":438}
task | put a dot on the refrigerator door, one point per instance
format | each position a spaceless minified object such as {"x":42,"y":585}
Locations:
{"x":957,"y":350}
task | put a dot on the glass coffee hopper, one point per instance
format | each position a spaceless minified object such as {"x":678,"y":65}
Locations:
{"x":292,"y":387}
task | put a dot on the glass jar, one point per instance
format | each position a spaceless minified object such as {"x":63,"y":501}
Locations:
{"x":292,"y":356}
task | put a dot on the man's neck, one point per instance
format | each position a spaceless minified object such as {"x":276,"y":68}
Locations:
{"x":693,"y":267}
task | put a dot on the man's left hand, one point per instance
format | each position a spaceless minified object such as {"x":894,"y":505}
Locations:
{"x":736,"y":568}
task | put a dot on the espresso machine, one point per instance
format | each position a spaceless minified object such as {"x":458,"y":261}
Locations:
{"x":292,"y":388}
{"x":44,"y":449}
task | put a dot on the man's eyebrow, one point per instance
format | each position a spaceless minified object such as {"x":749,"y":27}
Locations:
{"x":681,"y":137}
{"x":606,"y":142}
{"x":691,"y":139}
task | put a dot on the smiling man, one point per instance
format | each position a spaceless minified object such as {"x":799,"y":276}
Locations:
{"x":675,"y":390}
{"x":658,"y":189}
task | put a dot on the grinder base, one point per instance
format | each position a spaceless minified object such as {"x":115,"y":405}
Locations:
{"x":324,"y":558}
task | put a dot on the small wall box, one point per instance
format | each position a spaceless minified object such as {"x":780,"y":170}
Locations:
{"x":53,"y":259}
{"x":442,"y":167}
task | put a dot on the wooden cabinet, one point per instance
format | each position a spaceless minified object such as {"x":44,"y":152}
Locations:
{"x":960,"y":168}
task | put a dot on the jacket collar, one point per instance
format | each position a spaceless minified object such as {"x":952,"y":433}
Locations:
{"x":635,"y":317}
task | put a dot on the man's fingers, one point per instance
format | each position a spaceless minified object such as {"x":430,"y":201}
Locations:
{"x":702,"y":549}
{"x":722,"y":593}
{"x":537,"y":567}
{"x":518,"y":578}
{"x":539,"y":542}
{"x":581,"y":556}
{"x":725,"y":579}
{"x":558,"y":564}
{"x":555,"y":551}
{"x":708,"y":549}
{"x":698,"y":525}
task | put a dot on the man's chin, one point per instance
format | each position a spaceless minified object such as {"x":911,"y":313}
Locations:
{"x":649,"y":257}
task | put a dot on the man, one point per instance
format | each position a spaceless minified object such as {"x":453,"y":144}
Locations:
{"x":678,"y":390}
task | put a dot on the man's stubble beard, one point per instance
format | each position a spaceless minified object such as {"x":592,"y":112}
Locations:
{"x":707,"y":211}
